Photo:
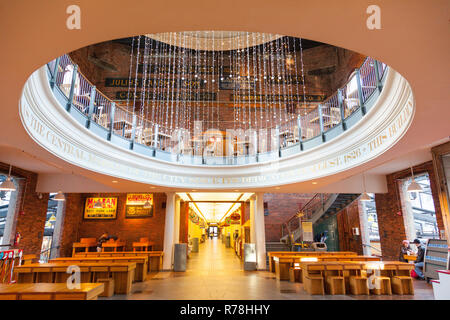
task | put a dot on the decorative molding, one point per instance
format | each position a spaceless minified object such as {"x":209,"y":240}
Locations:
{"x":53,"y":128}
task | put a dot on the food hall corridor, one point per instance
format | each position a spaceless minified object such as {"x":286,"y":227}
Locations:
{"x":215,"y":272}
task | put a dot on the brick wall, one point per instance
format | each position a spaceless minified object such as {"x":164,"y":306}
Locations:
{"x":130,"y":230}
{"x":72,"y":215}
{"x":281,"y":206}
{"x":30,"y":213}
{"x":347,"y":219}
{"x":390,"y":214}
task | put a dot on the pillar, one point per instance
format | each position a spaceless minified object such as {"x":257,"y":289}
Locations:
{"x":252,"y":219}
{"x":260,"y":234}
{"x":176,"y":232}
{"x":169,"y":229}
{"x":408,"y":215}
{"x":365,"y":232}
{"x":57,"y":232}
{"x":11,"y":216}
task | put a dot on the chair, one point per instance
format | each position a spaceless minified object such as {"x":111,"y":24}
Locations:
{"x":313,"y":280}
{"x":402,"y":285}
{"x":359,"y":285}
{"x":382,"y":286}
{"x":335,"y":283}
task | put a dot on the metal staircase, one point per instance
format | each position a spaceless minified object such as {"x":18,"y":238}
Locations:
{"x":319,"y":208}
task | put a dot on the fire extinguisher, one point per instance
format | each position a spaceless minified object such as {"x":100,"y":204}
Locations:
{"x":17,"y":238}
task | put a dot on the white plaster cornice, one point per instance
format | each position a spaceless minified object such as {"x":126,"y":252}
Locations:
{"x":54,"y":129}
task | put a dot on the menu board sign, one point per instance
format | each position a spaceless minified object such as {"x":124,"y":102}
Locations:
{"x":100,"y":208}
{"x":139,"y":205}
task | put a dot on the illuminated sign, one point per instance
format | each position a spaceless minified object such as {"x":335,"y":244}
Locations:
{"x":100,"y":208}
{"x":139,"y":205}
{"x":139,"y":198}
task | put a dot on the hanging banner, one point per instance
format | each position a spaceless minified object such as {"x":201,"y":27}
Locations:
{"x":135,"y":205}
{"x":108,"y":209}
{"x":307,"y":231}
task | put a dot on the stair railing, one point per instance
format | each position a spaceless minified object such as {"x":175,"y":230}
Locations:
{"x":293,"y":223}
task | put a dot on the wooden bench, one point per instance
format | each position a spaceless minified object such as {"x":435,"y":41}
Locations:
{"x":155,"y":258}
{"x":85,"y":243}
{"x":144,"y":244}
{"x":355,"y":276}
{"x":141,"y":263}
{"x":113,"y":244}
{"x":50,"y":291}
{"x":56,"y":272}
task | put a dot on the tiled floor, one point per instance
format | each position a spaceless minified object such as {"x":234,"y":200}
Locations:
{"x":216,"y":273}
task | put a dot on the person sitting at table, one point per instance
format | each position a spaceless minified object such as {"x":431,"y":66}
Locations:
{"x":419,"y":260}
{"x":103,"y":238}
{"x":404,"y":250}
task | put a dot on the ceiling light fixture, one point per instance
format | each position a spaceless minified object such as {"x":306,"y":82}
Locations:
{"x":8,"y":184}
{"x":59,"y":196}
{"x":414,"y":186}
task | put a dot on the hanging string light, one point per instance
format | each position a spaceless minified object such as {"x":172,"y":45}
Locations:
{"x":183,"y":74}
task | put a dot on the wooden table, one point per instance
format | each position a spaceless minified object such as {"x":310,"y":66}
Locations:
{"x":50,"y":291}
{"x":141,"y":263}
{"x":55,"y":272}
{"x":155,"y":258}
{"x":284,"y":263}
{"x":410,"y":258}
{"x":273,"y":254}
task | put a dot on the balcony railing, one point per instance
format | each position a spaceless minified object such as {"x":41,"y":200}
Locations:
{"x":116,"y":124}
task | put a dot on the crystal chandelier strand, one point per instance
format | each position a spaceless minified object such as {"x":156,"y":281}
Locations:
{"x":130,"y":73}
{"x":138,"y":55}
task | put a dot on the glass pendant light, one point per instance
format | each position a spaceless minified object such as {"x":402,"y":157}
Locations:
{"x":414,"y":186}
{"x":365,"y":197}
{"x":8,"y":184}
{"x":59,"y":196}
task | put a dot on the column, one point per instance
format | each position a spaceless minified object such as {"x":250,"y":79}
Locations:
{"x":408,"y":215}
{"x":260,"y":233}
{"x":252,"y":219}
{"x":364,"y":224}
{"x":176,"y":233}
{"x":169,"y":229}
{"x":57,"y":232}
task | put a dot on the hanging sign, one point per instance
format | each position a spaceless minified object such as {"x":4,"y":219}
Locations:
{"x":307,"y":229}
{"x":139,"y":205}
{"x":108,"y":209}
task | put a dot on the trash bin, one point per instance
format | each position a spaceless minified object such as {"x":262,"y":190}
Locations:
{"x":249,"y":257}
{"x":179,"y":259}
{"x":228,"y":241}
{"x":194,"y":245}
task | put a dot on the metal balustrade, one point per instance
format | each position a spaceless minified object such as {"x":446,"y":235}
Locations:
{"x":118,"y":125}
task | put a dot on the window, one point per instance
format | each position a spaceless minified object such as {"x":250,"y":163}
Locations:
{"x":419,"y":211}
